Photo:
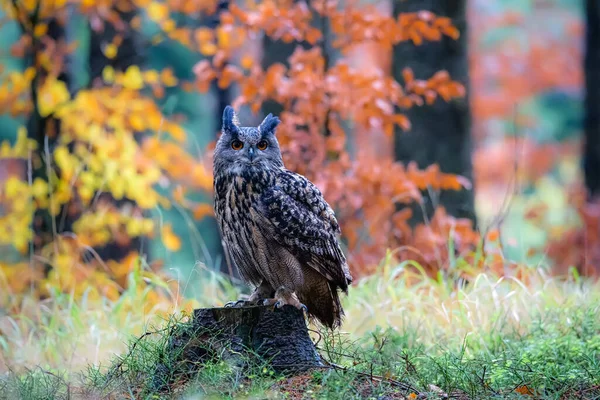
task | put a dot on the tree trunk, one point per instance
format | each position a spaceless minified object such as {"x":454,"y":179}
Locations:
{"x":441,"y":132}
{"x":44,"y":130}
{"x":242,"y":337}
{"x":591,"y":156}
{"x":223,"y":95}
{"x":130,"y":52}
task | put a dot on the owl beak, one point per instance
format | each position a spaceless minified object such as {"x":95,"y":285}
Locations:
{"x":251,"y":153}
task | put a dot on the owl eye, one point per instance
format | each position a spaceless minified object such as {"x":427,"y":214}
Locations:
{"x":262,"y":145}
{"x":237,"y":145}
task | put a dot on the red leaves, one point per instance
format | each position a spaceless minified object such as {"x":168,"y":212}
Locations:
{"x":316,"y":97}
{"x":352,"y":25}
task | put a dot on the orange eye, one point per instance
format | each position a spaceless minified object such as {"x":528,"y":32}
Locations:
{"x":262,"y":145}
{"x":237,"y":145}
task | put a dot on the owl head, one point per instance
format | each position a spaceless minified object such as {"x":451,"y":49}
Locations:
{"x":243,"y":147}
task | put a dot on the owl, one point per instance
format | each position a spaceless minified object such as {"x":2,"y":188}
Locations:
{"x":277,"y":227}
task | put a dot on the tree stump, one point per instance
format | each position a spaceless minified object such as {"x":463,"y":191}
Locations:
{"x":240,"y":336}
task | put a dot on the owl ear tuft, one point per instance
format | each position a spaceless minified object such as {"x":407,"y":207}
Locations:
{"x":269,"y":124}
{"x":230,"y":120}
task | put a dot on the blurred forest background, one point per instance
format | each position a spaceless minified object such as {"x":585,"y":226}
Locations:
{"x":450,"y":132}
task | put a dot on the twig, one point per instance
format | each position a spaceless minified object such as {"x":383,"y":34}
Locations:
{"x":376,"y":378}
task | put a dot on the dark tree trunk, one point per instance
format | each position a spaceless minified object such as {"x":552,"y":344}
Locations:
{"x":131,"y":51}
{"x":44,"y":129}
{"x":277,"y":51}
{"x":223,"y":94}
{"x":591,"y":156}
{"x":241,"y":337}
{"x":441,"y":132}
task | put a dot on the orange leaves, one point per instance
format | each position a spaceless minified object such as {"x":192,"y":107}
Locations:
{"x":171,"y":241}
{"x":246,"y":62}
{"x":525,"y":390}
{"x":318,"y":96}
{"x":177,"y":164}
{"x":228,"y":75}
{"x":439,"y":84}
{"x":124,"y":145}
{"x":433,"y":178}
{"x":352,"y":25}
{"x":408,"y":76}
{"x":202,"y":210}
{"x":425,"y":25}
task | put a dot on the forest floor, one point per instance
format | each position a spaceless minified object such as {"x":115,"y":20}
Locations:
{"x":494,"y":338}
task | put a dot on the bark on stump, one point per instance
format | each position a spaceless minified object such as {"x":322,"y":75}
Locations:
{"x":240,"y":336}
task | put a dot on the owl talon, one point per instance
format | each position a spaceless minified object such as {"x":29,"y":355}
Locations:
{"x":233,"y":304}
{"x":269,"y":302}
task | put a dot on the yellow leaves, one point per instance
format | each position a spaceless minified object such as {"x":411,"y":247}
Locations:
{"x":168,"y":25}
{"x":15,"y":220}
{"x":204,"y":35}
{"x":224,"y":38}
{"x":158,"y":11}
{"x":66,"y":162}
{"x":171,"y":241}
{"x":39,"y":189}
{"x":151,"y":77}
{"x":137,"y":122}
{"x":208,"y":48}
{"x":177,"y":132}
{"x":205,"y":38}
{"x":108,"y":74}
{"x":52,"y":94}
{"x":133,"y":78}
{"x":17,"y":278}
{"x":22,"y":147}
{"x":110,"y":50}
{"x":40,"y":30}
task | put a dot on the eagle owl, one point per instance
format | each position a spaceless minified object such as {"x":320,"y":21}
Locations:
{"x":276,"y":226}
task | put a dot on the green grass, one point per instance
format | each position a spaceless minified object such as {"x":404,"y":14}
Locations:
{"x":484,"y":340}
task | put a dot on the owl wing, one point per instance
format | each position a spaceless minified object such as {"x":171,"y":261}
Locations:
{"x":297,"y":216}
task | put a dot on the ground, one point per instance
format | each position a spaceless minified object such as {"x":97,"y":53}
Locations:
{"x":493,"y":338}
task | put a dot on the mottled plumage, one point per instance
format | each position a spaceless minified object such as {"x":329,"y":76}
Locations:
{"x":279,"y":230}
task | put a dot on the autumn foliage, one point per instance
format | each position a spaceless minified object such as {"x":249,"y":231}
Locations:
{"x":113,"y":142}
{"x":318,"y":98}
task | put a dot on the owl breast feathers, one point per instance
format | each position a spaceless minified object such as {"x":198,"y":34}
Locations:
{"x":279,"y":230}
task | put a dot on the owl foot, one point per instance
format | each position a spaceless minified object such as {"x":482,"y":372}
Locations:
{"x":237,"y":303}
{"x":284,"y":296}
{"x":279,"y":303}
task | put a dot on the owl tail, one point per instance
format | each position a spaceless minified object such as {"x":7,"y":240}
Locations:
{"x":323,"y":303}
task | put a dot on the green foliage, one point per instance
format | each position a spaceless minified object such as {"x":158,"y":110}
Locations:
{"x":556,"y":356}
